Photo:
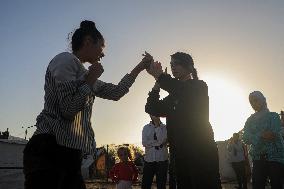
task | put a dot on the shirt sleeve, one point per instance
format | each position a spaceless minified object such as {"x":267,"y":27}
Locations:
{"x":169,"y":84}
{"x":155,"y":106}
{"x":135,"y":172}
{"x":112,"y":174}
{"x":161,"y":133}
{"x":275,"y":124}
{"x":249,"y":137}
{"x":72,"y":92}
{"x":111,"y":91}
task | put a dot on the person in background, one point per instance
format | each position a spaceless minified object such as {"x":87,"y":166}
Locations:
{"x":53,"y":156}
{"x":262,"y":133}
{"x":282,"y":133}
{"x":282,"y":123}
{"x":190,"y":134}
{"x":237,"y":160}
{"x":154,"y":139}
{"x":124,"y":173}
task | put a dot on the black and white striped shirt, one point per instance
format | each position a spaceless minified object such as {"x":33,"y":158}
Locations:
{"x":69,"y":100}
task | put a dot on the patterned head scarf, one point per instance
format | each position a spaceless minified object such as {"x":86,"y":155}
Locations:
{"x":261,"y":100}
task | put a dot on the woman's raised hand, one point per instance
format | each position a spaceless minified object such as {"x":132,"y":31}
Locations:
{"x":155,"y":69}
{"x":146,"y":61}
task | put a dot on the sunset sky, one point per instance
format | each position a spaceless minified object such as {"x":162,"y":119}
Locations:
{"x":237,"y":46}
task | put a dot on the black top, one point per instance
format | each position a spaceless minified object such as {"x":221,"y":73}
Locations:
{"x":186,"y":109}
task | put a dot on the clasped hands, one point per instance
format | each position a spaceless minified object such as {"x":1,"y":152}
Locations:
{"x":154,"y":67}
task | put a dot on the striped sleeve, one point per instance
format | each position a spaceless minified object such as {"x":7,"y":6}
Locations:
{"x":111,"y":91}
{"x":72,"y":93}
{"x":73,"y":97}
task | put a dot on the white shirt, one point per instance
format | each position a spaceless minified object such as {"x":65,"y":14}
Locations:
{"x":155,"y":150}
{"x":236,"y":152}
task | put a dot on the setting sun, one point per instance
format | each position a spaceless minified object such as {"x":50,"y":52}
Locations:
{"x":229,"y":107}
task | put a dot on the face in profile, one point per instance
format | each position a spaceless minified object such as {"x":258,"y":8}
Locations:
{"x":94,"y":50}
{"x":178,"y":71}
{"x":255,"y":103}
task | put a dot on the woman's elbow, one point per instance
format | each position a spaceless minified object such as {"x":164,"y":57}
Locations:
{"x":114,"y":98}
{"x":117,"y":97}
{"x":148,"y":109}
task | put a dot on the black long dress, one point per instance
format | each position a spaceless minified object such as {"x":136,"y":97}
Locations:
{"x":190,"y":134}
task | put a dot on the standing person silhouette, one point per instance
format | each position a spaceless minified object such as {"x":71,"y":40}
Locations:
{"x":237,"y":159}
{"x":154,"y":139}
{"x":190,"y":134}
{"x":262,"y":133}
{"x":52,"y":158}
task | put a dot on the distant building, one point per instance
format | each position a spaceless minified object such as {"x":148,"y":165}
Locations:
{"x":5,"y":134}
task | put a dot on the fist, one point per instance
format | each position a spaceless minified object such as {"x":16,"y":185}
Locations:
{"x":146,"y":61}
{"x":95,"y":71}
{"x":155,"y":69}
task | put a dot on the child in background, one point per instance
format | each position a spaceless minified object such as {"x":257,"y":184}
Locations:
{"x":125,"y":172}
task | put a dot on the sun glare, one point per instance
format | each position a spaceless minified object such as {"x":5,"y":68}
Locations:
{"x":229,"y":107}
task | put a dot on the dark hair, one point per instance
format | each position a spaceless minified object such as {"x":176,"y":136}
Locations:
{"x":87,"y":28}
{"x":186,"y":61}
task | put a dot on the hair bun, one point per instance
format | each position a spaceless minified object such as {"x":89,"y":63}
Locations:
{"x":88,"y":25}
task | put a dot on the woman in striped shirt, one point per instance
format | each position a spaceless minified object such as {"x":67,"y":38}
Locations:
{"x":52,"y":158}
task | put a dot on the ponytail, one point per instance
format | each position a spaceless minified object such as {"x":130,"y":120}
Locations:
{"x":194,"y":74}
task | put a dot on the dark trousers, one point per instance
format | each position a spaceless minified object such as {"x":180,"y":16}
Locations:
{"x":239,"y":168}
{"x":198,"y":170}
{"x":190,"y":176}
{"x":160,"y":169}
{"x":48,"y":165}
{"x":172,"y":173}
{"x":263,"y":169}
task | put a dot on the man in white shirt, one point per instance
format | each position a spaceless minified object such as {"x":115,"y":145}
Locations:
{"x":154,"y":139}
{"x":237,"y":159}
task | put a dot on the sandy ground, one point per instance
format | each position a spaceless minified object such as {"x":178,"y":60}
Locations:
{"x":109,"y":186}
{"x":13,"y":179}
